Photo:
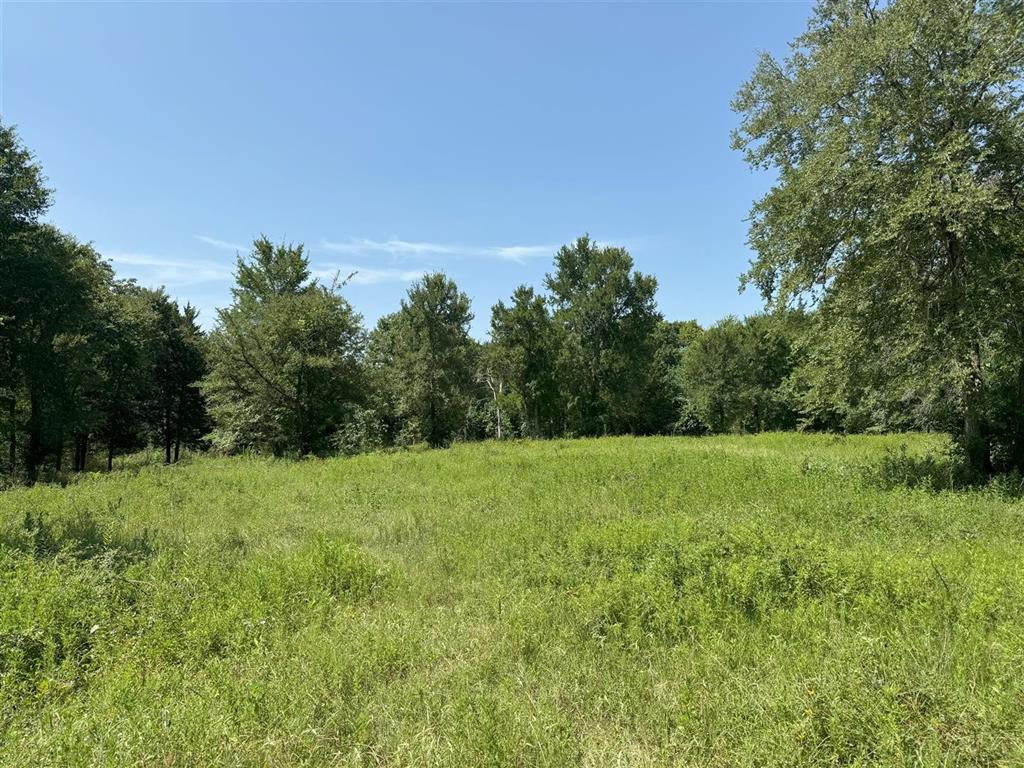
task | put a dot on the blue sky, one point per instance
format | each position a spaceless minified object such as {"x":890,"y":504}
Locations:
{"x":393,"y":139}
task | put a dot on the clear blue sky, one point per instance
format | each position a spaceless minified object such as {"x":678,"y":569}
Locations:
{"x":396,"y":138}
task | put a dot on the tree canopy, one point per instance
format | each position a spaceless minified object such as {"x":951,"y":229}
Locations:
{"x":897,"y":132}
{"x":284,"y":357}
{"x":606,"y":315}
{"x":424,"y":358}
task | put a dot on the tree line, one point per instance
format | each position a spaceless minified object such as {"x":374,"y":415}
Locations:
{"x":890,"y":254}
{"x":89,"y":364}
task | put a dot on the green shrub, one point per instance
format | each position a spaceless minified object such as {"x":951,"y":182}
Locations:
{"x":900,"y":468}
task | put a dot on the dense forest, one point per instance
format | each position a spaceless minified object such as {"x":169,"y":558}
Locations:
{"x":890,"y":253}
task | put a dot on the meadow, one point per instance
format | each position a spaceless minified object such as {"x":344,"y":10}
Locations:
{"x":764,"y":600}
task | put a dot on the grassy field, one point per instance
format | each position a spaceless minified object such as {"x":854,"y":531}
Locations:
{"x":718,"y":601}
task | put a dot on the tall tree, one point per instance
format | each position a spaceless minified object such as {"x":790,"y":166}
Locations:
{"x":897,"y":132}
{"x":713,"y":377}
{"x":284,"y":357}
{"x":54,"y":298}
{"x":666,"y":401}
{"x":126,"y":349}
{"x":526,"y":348}
{"x":24,"y":197}
{"x":426,"y":357}
{"x":177,"y":410}
{"x":606,"y":316}
{"x":733,"y":376}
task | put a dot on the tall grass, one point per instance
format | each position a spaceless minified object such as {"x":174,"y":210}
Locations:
{"x":717,"y":601}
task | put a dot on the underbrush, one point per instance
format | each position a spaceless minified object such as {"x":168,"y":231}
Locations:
{"x":937,"y":469}
{"x":663,"y":586}
{"x":78,"y":595}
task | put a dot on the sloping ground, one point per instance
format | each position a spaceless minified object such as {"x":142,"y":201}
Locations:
{"x":718,"y":601}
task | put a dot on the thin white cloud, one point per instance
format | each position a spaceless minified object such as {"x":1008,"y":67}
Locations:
{"x":391,"y":247}
{"x":157,"y":270}
{"x":223,"y":244}
{"x":406,"y":248}
{"x":353,"y":274}
{"x":152,"y":270}
{"x":521,"y":252}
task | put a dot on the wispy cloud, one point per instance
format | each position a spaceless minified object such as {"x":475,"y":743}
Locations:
{"x":521,"y":252}
{"x":406,"y":248}
{"x":223,"y":244}
{"x":390,"y":247}
{"x":152,"y":270}
{"x":158,"y":270}
{"x":353,"y":274}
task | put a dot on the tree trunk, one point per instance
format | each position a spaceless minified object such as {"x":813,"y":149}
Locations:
{"x":177,"y":422}
{"x":59,"y":457}
{"x":1018,"y":437}
{"x":975,"y":440}
{"x":12,"y":446}
{"x":167,"y":436}
{"x":35,"y":434}
{"x":110,"y":453}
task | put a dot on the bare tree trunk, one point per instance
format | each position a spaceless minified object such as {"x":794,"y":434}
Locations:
{"x":497,"y":405}
{"x":35,"y":434}
{"x":12,"y":446}
{"x":177,"y":422}
{"x":167,"y":436}
{"x":59,"y":458}
{"x":976,"y":444}
{"x":110,"y":453}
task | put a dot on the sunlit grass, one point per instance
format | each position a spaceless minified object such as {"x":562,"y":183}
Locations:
{"x":718,"y":601}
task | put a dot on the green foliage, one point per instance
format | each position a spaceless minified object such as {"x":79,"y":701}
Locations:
{"x":85,"y":359}
{"x":53,"y":292}
{"x":606,"y":318}
{"x":667,"y":407}
{"x":900,"y":468}
{"x":897,"y":131}
{"x":284,"y":358}
{"x":733,"y":375}
{"x":852,"y":379}
{"x":24,"y":196}
{"x":656,"y":601}
{"x":422,"y":359}
{"x":526,"y":350}
{"x":124,"y":354}
{"x":176,"y":408}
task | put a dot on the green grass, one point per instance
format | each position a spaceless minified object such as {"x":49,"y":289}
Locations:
{"x":719,"y":601}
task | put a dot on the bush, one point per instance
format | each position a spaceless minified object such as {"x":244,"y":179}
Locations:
{"x":901,"y":469}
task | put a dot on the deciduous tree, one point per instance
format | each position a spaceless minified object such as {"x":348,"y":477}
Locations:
{"x":897,"y":133}
{"x":606,"y":316}
{"x":424,"y":358}
{"x":284,"y":357}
